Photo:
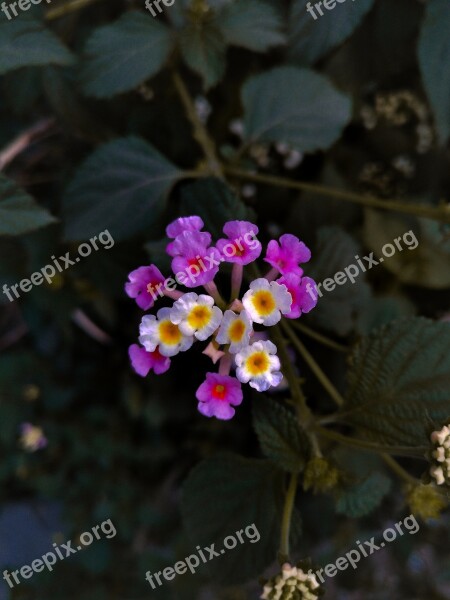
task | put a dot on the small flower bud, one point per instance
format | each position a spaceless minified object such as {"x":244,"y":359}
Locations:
{"x":293,"y":583}
{"x":425,"y":501}
{"x":320,"y":475}
{"x":440,"y":456}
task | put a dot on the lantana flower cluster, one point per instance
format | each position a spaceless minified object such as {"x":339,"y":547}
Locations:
{"x":440,"y":469}
{"x":206,"y":316}
{"x":293,"y":583}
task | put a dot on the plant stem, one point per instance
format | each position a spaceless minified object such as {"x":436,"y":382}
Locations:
{"x":326,"y":341}
{"x":399,"y":470}
{"x":439,"y":213}
{"x":303,"y":412}
{"x":326,"y":383}
{"x":68,"y":7}
{"x":287,"y":518}
{"x":200,"y":132}
{"x":372,"y":447}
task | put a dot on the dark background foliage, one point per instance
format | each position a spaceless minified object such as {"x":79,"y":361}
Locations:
{"x":356,"y":101}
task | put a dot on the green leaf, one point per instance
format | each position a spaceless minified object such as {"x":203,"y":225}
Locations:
{"x":424,"y":257}
{"x":310,"y":39}
{"x":26,"y":42}
{"x":364,"y":497}
{"x":252,"y":24}
{"x":19,"y":212}
{"x":295,"y":106}
{"x":434,"y":57}
{"x":124,"y":54}
{"x":279,"y":434}
{"x":340,"y":309}
{"x":225,"y":494}
{"x":203,"y":49}
{"x":399,"y":380}
{"x":122,"y":187}
{"x":215,"y":203}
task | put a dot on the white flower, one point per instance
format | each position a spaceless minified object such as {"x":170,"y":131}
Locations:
{"x":258,"y":365}
{"x":160,"y":331}
{"x":196,"y":315}
{"x":265,"y":301}
{"x":235,"y":330}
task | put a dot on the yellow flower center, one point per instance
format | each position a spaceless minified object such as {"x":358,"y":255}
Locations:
{"x":199,"y":317}
{"x":258,"y":363}
{"x":219,"y":392}
{"x":264,"y":302}
{"x":236,"y":331}
{"x":169,"y":333}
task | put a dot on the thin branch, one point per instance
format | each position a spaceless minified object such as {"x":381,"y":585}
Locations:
{"x":22,"y":141}
{"x":326,"y":383}
{"x":200,"y":133}
{"x":67,"y":8}
{"x":416,"y":452}
{"x":440,"y":213}
{"x":287,"y":518}
{"x":322,"y":339}
{"x":399,"y":470}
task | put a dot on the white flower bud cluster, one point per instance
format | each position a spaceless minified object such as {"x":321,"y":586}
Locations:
{"x":291,"y":584}
{"x":440,"y":470}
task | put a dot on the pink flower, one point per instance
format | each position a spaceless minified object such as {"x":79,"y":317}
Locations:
{"x":139,"y":281}
{"x":241,"y":247}
{"x":217,"y":394}
{"x":181,"y":225}
{"x":195,"y":260}
{"x":143,"y":362}
{"x":302,"y":300}
{"x":286,"y":255}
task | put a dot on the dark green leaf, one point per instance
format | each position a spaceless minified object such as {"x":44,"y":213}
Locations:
{"x":215,"y":203}
{"x":123,"y":55}
{"x":19,"y":213}
{"x":203,"y":50}
{"x":225,"y":494}
{"x":339,"y":309}
{"x":279,"y":434}
{"x":434,"y":57}
{"x":400,"y":380}
{"x":295,"y":106}
{"x":252,"y":24}
{"x":311,"y":38}
{"x":364,"y":497}
{"x":26,"y":42}
{"x":122,"y":187}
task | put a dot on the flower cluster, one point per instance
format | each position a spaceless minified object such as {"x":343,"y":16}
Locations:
{"x":234,"y":343}
{"x":293,"y":583}
{"x":440,"y":470}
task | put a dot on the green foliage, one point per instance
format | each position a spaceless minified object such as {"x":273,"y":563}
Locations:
{"x":434,"y":56}
{"x":252,"y":24}
{"x":214,"y":202}
{"x":279,"y":435}
{"x":122,"y":55}
{"x":19,"y":213}
{"x":25,"y":42}
{"x":399,"y":380}
{"x":363,"y":497}
{"x":203,"y":50}
{"x":295,"y":106}
{"x":225,"y":494}
{"x":310,"y":39}
{"x":123,"y":186}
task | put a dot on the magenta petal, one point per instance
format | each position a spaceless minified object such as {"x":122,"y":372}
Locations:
{"x":215,"y":402}
{"x":139,"y":280}
{"x":141,"y":360}
{"x":184,"y":224}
